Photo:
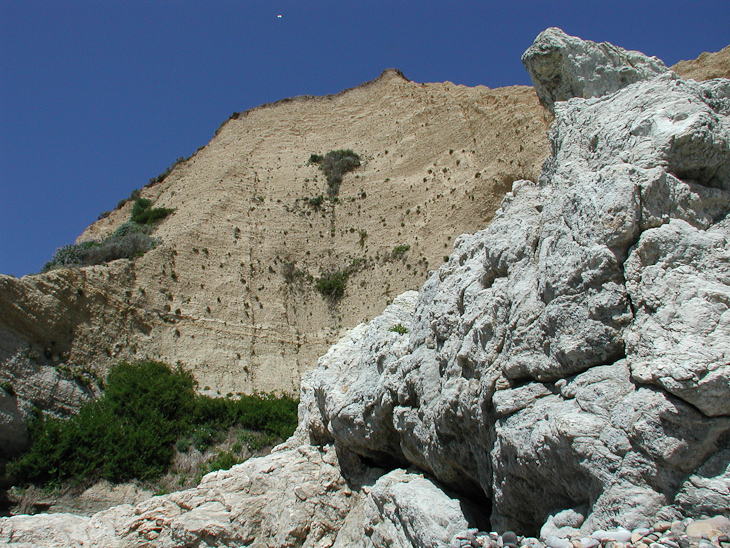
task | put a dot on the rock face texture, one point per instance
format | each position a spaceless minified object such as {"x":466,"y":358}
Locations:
{"x":563,"y":66}
{"x":296,"y":496}
{"x":230,"y":291}
{"x":576,"y":353}
{"x":565,"y":369}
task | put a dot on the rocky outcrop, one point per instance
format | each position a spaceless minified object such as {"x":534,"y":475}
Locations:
{"x":563,"y":66}
{"x":293,"y":497}
{"x":575,"y":353}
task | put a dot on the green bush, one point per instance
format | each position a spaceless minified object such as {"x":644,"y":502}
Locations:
{"x":147,"y":412}
{"x":332,"y":284}
{"x":315,"y":202}
{"x":400,"y":250}
{"x":144,"y":214}
{"x":400,"y":329}
{"x":128,"y":433}
{"x":161,"y":177}
{"x":335,"y":164}
{"x":128,"y":244}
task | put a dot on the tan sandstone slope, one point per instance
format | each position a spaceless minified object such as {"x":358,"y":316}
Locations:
{"x":228,"y":292}
{"x":706,"y":66}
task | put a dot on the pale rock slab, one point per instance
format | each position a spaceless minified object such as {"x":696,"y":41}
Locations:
{"x":408,"y":510}
{"x":679,"y":280}
{"x":295,"y":497}
{"x":563,"y":66}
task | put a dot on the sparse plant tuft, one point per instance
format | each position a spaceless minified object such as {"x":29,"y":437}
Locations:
{"x":399,"y":251}
{"x":400,"y":329}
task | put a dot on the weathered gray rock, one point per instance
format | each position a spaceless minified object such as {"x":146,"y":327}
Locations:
{"x":291,"y":497}
{"x":707,"y":490}
{"x":405,"y":509}
{"x":32,"y":385}
{"x":563,"y":67}
{"x":575,"y":351}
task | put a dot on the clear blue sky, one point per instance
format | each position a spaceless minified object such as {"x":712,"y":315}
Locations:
{"x":97,"y":96}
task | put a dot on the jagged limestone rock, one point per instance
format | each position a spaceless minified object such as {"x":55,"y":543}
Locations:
{"x":563,"y":66}
{"x":294,"y":497}
{"x":582,"y":337}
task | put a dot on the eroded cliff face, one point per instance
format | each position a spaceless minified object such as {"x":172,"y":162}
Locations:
{"x":218,"y":294}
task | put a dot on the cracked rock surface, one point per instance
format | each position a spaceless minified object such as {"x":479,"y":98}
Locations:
{"x":575,"y":353}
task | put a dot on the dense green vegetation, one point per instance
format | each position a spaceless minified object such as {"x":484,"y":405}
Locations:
{"x":335,"y":164}
{"x":147,"y":412}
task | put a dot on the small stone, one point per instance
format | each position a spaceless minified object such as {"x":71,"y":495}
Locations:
{"x":590,"y":542}
{"x":576,"y":543}
{"x":618,"y":535}
{"x":666,"y":541}
{"x":642,"y":545}
{"x":652,"y":537}
{"x":683,"y":542}
{"x":509,"y":537}
{"x":702,"y":527}
{"x":557,"y":542}
{"x":662,"y":526}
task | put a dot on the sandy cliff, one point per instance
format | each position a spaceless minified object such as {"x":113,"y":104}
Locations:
{"x":437,"y":159}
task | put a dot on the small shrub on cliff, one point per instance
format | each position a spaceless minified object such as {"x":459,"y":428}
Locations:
{"x":144,"y":214}
{"x":129,"y":244}
{"x":335,"y":164}
{"x":161,"y":177}
{"x":400,"y":250}
{"x":332,"y":284}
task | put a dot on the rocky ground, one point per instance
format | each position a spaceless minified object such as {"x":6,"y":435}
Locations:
{"x":561,"y":532}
